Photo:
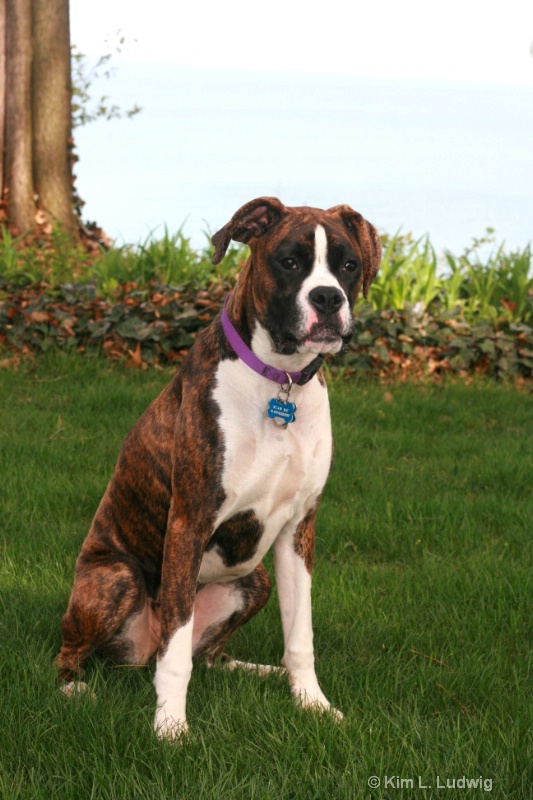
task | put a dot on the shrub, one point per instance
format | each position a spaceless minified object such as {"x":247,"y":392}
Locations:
{"x":148,"y":302}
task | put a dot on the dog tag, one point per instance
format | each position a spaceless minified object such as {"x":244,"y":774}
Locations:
{"x":282,"y":413}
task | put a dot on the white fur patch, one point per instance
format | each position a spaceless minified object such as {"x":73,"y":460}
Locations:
{"x":73,"y":688}
{"x":171,"y":680}
{"x":259,"y":669}
{"x":276,"y":473}
{"x":321,"y":275}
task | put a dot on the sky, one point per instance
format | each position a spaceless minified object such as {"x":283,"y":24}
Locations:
{"x":242,"y":99}
{"x":465,"y":40}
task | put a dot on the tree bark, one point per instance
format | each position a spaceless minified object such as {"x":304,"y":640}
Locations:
{"x":36,"y":183}
{"x":2,"y":91}
{"x":51,"y":96}
{"x":18,"y":164}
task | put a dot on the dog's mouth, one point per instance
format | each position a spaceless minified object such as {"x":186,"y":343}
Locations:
{"x":323,"y":333}
{"x":322,"y":337}
{"x":325,"y":338}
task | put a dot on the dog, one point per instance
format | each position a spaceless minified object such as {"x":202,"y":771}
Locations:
{"x":230,"y":460}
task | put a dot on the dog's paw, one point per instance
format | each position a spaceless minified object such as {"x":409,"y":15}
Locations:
{"x":171,"y":730}
{"x":319,"y":705}
{"x":337,"y":715}
{"x":73,"y":688}
{"x":310,"y":696}
{"x":259,"y":669}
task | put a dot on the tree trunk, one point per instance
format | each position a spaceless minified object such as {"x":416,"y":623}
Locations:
{"x":36,"y":179}
{"x":18,"y":169}
{"x":51,"y":96}
{"x":2,"y":91}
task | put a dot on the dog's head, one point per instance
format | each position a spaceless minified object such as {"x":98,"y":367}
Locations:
{"x":307,"y":267}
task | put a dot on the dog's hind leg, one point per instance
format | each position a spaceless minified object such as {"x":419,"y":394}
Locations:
{"x":221,"y":608}
{"x":259,"y":669}
{"x":107,"y":595}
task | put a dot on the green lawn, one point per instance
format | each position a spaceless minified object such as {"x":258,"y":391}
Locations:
{"x":422,"y":585}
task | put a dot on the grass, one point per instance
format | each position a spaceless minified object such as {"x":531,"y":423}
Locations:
{"x":422,"y":583}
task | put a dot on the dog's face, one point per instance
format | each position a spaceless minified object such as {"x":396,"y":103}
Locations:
{"x":311,"y":265}
{"x":317,"y":268}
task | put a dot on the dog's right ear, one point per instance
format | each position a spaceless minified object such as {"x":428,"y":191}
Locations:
{"x":252,"y":219}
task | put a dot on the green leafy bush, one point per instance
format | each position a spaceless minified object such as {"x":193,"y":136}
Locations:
{"x":158,"y":323}
{"x":147,"y":303}
{"x":500,"y":286}
{"x":408,"y":275}
{"x":169,"y":260}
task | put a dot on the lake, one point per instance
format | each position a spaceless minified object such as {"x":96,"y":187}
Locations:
{"x":448,"y":159}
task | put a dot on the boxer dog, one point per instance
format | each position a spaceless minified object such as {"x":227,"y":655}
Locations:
{"x":229,"y":460}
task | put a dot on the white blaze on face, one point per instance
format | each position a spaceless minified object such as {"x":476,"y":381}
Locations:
{"x":321,"y":275}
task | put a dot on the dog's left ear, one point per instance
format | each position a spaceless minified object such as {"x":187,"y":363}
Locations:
{"x":368,"y":240}
{"x":252,"y":219}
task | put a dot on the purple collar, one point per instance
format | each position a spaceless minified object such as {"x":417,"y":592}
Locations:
{"x":251,"y":360}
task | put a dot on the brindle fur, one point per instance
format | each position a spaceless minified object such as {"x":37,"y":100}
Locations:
{"x":157,"y":516}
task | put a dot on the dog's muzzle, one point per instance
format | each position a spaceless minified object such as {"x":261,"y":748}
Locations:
{"x":326,"y":301}
{"x":329,"y":325}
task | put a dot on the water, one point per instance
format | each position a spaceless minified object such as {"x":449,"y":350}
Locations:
{"x":448,"y":159}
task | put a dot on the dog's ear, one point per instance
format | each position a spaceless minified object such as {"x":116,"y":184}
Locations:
{"x":368,"y":240}
{"x":252,"y":219}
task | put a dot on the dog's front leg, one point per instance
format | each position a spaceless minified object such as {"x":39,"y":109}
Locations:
{"x":293,"y":561}
{"x":173,"y":672}
{"x":181,"y":565}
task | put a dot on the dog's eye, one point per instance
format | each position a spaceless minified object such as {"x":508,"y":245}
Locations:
{"x":351,"y":266}
{"x":288,"y":263}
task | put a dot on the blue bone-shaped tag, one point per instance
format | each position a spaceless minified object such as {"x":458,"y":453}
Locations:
{"x":281,"y":410}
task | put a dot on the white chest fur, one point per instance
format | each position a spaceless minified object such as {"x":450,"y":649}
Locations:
{"x":277,"y":473}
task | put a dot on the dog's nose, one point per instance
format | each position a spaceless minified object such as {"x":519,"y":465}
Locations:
{"x":326,"y":299}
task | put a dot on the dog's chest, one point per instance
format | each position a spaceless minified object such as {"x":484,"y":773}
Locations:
{"x":271,"y":476}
